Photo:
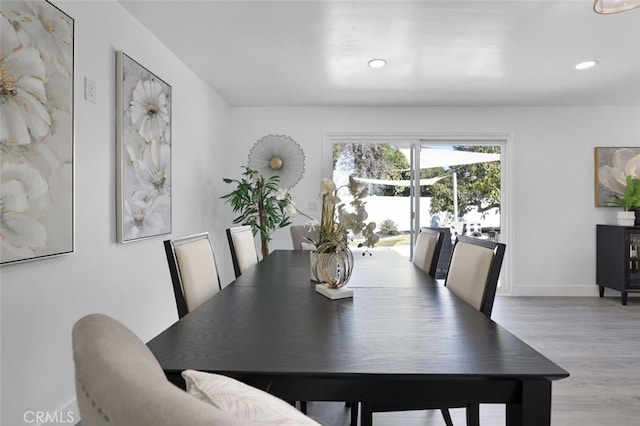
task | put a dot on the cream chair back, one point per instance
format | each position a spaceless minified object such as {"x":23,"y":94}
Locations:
{"x":243,"y":248}
{"x":427,"y":250}
{"x":193,"y":271}
{"x":474,"y":271}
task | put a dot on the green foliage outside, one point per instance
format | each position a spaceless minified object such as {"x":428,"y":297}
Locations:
{"x":388,"y":227}
{"x":478,"y":184}
{"x":389,"y":241}
{"x":370,"y":160}
{"x":376,"y":161}
{"x":397,"y":240}
{"x":398,"y":169}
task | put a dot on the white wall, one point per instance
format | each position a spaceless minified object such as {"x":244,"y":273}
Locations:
{"x":552,"y":243}
{"x":42,"y":299}
{"x":554,"y":218}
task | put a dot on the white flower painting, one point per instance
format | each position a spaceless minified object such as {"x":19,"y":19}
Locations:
{"x":612,"y":166}
{"x":36,"y":131}
{"x":144,"y":152}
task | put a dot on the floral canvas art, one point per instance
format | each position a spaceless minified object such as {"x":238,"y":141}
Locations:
{"x":36,"y":131}
{"x":144,"y":152}
{"x":612,"y":166}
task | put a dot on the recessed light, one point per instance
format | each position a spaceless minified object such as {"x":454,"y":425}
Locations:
{"x":586,"y":65}
{"x":377,"y":63}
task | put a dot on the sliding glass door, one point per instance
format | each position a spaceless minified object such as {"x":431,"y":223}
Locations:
{"x":386,"y":169}
{"x":464,"y":192}
{"x":455,"y":184}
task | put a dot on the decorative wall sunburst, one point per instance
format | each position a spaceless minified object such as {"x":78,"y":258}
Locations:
{"x":278,"y":155}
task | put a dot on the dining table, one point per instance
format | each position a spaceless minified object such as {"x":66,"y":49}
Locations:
{"x":403,"y":337}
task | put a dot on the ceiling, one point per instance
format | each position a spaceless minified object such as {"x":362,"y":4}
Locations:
{"x":439,"y":53}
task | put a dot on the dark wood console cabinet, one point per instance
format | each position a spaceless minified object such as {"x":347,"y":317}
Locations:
{"x":618,"y":259}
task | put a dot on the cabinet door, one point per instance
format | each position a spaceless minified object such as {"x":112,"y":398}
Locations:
{"x":633,"y":260}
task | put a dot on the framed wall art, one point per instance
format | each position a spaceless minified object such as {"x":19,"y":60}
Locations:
{"x":612,"y":166}
{"x":36,"y":135}
{"x":143,"y":122}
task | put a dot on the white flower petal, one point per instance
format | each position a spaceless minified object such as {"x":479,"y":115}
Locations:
{"x":633,"y":166}
{"x":14,"y":197}
{"x":612,"y":178}
{"x":26,"y":119}
{"x":37,"y":117}
{"x":24,"y":231}
{"x":14,"y":129}
{"x":621,"y":157}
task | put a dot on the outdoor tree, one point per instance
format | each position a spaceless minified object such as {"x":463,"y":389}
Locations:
{"x":375,"y":161}
{"x":364,"y":160}
{"x":478,"y":184}
{"x":398,"y":168}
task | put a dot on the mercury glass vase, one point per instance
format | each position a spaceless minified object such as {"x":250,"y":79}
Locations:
{"x":331,"y":264}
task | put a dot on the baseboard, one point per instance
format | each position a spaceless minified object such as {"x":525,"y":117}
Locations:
{"x":566,"y":291}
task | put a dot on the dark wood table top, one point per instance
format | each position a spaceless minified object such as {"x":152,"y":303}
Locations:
{"x":400,"y":325}
{"x":382,"y":268}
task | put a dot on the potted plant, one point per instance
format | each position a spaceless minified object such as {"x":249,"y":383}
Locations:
{"x":260,"y":204}
{"x":629,"y":201}
{"x":332,"y":260}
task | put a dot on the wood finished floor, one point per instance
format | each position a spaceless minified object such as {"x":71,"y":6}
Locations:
{"x":596,"y":340}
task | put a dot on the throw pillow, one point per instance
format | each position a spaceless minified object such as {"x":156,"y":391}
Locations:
{"x":243,"y":401}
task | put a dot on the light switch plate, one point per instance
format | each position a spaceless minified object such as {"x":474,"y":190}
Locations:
{"x":90,"y":90}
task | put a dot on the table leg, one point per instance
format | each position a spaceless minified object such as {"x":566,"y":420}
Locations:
{"x":535,"y":409}
{"x":354,"y":412}
{"x":366,"y":415}
{"x":473,"y":415}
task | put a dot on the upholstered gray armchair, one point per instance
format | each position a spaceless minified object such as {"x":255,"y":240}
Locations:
{"x":120,"y":383}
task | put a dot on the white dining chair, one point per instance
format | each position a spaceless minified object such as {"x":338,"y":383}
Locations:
{"x":427,"y":250}
{"x":474,"y":271}
{"x":193,"y":270}
{"x":243,"y":248}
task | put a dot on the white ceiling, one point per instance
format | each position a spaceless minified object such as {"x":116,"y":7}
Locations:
{"x":298,"y":53}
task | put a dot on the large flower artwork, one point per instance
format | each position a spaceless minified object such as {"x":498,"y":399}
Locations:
{"x":612,"y":166}
{"x":144,"y":152}
{"x":36,"y":131}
